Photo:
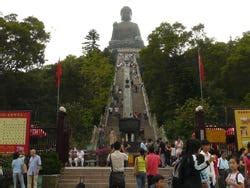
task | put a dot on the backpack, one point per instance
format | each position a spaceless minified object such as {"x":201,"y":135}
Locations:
{"x":183,"y":170}
{"x":174,"y":179}
{"x":177,"y":177}
{"x":236,"y":177}
{"x":80,"y":184}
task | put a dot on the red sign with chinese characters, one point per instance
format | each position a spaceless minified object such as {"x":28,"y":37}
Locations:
{"x":14,"y":131}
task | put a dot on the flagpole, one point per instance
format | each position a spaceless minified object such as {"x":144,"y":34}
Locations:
{"x":58,"y":100}
{"x":58,"y":74}
{"x":201,"y":85}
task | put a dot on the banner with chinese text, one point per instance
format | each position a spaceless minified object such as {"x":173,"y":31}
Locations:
{"x":216,"y":135}
{"x":14,"y":131}
{"x":242,"y":123}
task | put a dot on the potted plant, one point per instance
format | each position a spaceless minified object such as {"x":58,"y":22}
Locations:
{"x":6,"y":178}
{"x":51,"y":167}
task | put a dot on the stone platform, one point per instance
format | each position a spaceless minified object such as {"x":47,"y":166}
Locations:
{"x":97,"y":177}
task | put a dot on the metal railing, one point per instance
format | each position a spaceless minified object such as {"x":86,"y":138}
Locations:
{"x":45,"y":143}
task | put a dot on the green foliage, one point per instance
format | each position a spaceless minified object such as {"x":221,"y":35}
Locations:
{"x":22,"y":43}
{"x":236,"y":72}
{"x":50,"y":163}
{"x":246,"y":101}
{"x":5,"y":162}
{"x":182,"y":122}
{"x":167,"y":72}
{"x":90,"y":44}
{"x":33,"y":90}
{"x":81,"y":122}
{"x":88,"y":79}
{"x":169,"y":66}
{"x":27,"y":85}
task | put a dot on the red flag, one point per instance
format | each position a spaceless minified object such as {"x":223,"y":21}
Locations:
{"x":58,"y":74}
{"x":201,"y":67}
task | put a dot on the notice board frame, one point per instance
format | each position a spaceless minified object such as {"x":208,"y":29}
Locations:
{"x":11,"y":148}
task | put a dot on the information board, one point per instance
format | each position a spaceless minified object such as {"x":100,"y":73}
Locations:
{"x":242,"y":123}
{"x":216,"y":135}
{"x":14,"y":131}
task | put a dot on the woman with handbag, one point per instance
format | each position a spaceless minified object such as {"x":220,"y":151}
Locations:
{"x":17,"y":165}
{"x":140,"y":169}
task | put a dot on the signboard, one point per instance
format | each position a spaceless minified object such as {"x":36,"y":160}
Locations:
{"x":242,"y":123}
{"x":216,"y":135}
{"x":14,"y":131}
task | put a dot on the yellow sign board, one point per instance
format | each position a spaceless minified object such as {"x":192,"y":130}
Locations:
{"x":216,"y":135}
{"x":242,"y":123}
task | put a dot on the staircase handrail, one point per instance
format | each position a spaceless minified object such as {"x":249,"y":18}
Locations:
{"x":151,"y":117}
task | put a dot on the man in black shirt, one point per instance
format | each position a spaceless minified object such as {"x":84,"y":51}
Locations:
{"x":162,"y":153}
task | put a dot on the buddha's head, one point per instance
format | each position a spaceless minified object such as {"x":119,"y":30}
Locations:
{"x":126,"y":14}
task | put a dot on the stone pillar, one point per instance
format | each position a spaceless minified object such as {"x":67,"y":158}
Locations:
{"x":63,"y":135}
{"x":200,"y":123}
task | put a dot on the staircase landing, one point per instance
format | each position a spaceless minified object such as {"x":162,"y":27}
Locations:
{"x":98,"y":177}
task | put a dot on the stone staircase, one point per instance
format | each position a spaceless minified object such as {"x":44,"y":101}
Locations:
{"x":139,"y":106}
{"x":98,"y":177}
{"x":113,"y":120}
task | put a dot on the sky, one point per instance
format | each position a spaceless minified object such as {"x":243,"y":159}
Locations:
{"x":69,"y":21}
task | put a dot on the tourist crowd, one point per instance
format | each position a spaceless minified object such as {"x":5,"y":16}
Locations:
{"x":152,"y":156}
{"x":200,"y":167}
{"x":168,"y":152}
{"x":196,"y":165}
{"x":146,"y":167}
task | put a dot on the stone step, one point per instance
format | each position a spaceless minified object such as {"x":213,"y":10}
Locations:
{"x":97,"y":177}
{"x":104,"y":169}
{"x":93,"y":181}
{"x":97,"y":185}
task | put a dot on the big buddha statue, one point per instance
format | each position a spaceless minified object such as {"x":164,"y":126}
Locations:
{"x":126,"y":34}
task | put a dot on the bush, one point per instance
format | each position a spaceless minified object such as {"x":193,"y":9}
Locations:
{"x":5,"y":162}
{"x":50,"y":163}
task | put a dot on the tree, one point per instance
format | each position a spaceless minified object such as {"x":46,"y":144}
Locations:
{"x":182,"y":123}
{"x":167,"y":73}
{"x":27,"y":84}
{"x":88,"y":78}
{"x":91,"y":42}
{"x":22,"y":43}
{"x":171,"y":76}
{"x":236,"y":71}
{"x":81,"y":123}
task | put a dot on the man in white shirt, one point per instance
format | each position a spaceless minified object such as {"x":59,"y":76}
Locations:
{"x":143,"y":145}
{"x":116,"y":160}
{"x":80,"y":157}
{"x":210,"y":170}
{"x":110,"y":110}
{"x":34,"y":168}
{"x":223,"y":167}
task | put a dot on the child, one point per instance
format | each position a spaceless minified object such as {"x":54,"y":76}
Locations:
{"x":158,"y":181}
{"x":235,"y":179}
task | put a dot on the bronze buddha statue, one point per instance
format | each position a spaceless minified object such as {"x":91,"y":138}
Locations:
{"x":126,"y":34}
